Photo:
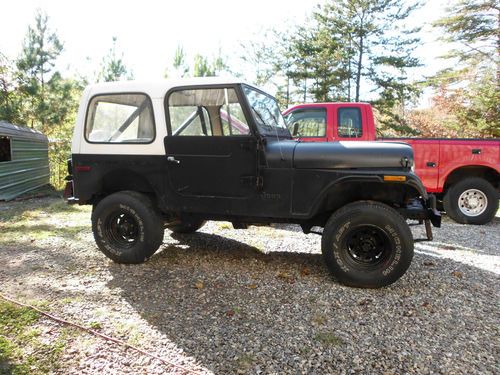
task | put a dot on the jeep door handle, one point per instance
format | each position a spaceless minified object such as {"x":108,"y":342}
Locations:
{"x":171,"y":159}
{"x":431,"y":164}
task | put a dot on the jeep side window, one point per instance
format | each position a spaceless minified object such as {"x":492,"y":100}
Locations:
{"x":120,"y":118}
{"x":233,"y":120}
{"x":349,"y":122}
{"x":307,"y":122}
{"x":190,"y":120}
{"x":206,"y":112}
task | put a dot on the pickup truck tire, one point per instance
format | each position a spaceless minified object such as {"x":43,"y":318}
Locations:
{"x":127,"y":227}
{"x":367,"y":244}
{"x":187,"y":226}
{"x":471,"y":201}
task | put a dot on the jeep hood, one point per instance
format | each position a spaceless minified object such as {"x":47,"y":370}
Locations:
{"x":339,"y":155}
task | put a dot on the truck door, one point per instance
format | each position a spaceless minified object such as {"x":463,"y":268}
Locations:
{"x":427,"y":160}
{"x":210,"y":151}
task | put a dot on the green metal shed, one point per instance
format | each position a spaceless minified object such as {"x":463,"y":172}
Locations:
{"x":24,"y":160}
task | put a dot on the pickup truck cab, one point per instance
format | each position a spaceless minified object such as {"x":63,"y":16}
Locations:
{"x":464,"y":174}
{"x":177,"y":153}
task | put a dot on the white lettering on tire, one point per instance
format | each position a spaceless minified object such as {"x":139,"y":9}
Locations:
{"x":397,"y":257}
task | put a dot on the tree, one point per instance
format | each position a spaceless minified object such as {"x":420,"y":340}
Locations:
{"x":473,"y":26}
{"x":373,"y":52}
{"x":204,"y":68}
{"x":112,"y":66}
{"x":472,"y":82}
{"x":180,"y":66}
{"x":266,"y":59}
{"x":349,"y":50}
{"x":35,"y":70}
{"x":44,"y":99}
{"x":9,"y":99}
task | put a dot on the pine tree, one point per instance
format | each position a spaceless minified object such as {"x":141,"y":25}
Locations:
{"x":204,"y":68}
{"x":180,"y":67}
{"x":373,"y":51}
{"x":45,"y":99}
{"x":9,"y":99}
{"x":472,"y":82}
{"x":473,"y":25}
{"x":35,"y":70}
{"x":112,"y":66}
{"x":350,"y":50}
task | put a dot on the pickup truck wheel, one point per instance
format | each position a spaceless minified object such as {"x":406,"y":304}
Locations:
{"x":471,"y":201}
{"x":127,"y":228}
{"x":187,"y":226}
{"x":367,"y":244}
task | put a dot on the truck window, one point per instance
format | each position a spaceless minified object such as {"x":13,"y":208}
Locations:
{"x":206,"y":112}
{"x":349,"y":123}
{"x":307,"y":122}
{"x":120,"y":118}
{"x":5,"y":153}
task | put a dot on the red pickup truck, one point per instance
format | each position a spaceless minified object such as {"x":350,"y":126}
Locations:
{"x":464,"y":174}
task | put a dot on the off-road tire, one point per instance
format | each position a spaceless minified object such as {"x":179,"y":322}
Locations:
{"x":127,"y":227}
{"x":187,"y":227}
{"x":455,"y":195}
{"x":367,"y":244}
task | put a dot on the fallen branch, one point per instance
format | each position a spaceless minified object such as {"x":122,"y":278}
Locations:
{"x":101,"y":335}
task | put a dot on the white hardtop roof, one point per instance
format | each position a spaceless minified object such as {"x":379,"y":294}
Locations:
{"x":157,"y":88}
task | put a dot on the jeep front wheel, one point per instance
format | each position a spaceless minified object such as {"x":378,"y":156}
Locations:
{"x":367,"y":244}
{"x":127,"y":228}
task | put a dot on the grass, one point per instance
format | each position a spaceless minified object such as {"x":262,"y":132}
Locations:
{"x":27,"y":221}
{"x":21,"y":350}
{"x":129,"y":330}
{"x":328,"y":339}
{"x":245,"y":362}
{"x":319,"y":319}
{"x":95,"y":325}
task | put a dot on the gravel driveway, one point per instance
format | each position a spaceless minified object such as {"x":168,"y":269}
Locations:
{"x":254,"y":301}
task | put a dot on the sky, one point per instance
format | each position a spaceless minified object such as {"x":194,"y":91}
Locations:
{"x":149,"y":31}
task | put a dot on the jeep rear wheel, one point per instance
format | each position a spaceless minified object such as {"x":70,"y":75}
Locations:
{"x":127,"y":228}
{"x":367,"y":244}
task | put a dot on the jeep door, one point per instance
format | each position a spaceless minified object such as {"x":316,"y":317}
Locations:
{"x":211,"y":152}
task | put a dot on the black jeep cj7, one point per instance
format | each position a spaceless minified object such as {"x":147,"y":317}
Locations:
{"x":175,"y":154}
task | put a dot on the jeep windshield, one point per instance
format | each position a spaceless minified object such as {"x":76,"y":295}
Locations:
{"x":266,"y":113}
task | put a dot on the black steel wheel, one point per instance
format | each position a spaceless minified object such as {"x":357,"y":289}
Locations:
{"x":122,"y":229}
{"x":127,"y":228}
{"x":367,"y":244}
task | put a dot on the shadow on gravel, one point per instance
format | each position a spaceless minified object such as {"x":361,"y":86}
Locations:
{"x":237,"y":309}
{"x":226,"y":249}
